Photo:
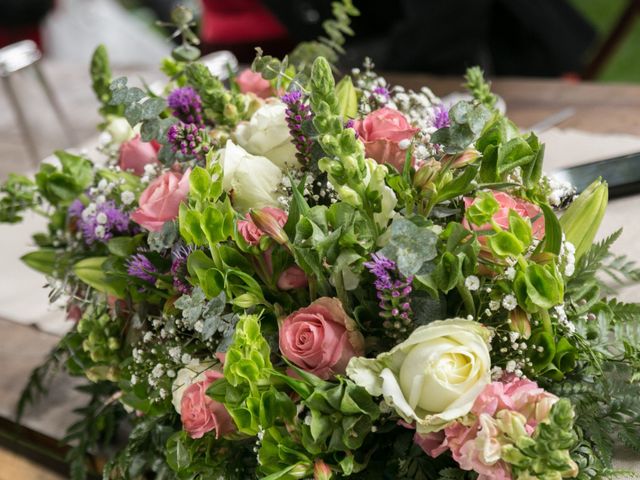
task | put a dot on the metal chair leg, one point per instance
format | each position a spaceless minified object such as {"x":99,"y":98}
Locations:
{"x":22,"y":120}
{"x":53,"y":100}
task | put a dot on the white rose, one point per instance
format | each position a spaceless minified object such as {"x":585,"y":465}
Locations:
{"x":119,"y":130}
{"x":434,"y":376}
{"x":192,"y":373}
{"x":251,"y":180}
{"x":267,"y":134}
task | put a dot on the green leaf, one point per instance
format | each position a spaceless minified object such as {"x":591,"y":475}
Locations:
{"x":520,"y":227}
{"x":347,"y":98}
{"x":448,"y":272}
{"x":460,"y":185}
{"x":410,"y":246}
{"x":123,"y":246}
{"x":46,"y":261}
{"x":199,"y":183}
{"x":552,"y":230}
{"x":91,"y":272}
{"x":505,"y":244}
{"x":178,"y":455}
{"x":515,"y":153}
{"x":544,"y":288}
{"x":152,"y":107}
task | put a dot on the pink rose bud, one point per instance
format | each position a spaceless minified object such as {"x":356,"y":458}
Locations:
{"x":135,"y":154}
{"x":200,"y":413}
{"x":321,"y":471}
{"x":293,"y":277}
{"x":383,"y":132}
{"x":252,"y":82}
{"x":321,"y":338}
{"x":249,"y":231}
{"x":160,"y":202}
{"x":270,"y":220}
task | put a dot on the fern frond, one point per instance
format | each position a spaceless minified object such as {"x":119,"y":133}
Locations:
{"x":39,"y":380}
{"x":621,"y":269}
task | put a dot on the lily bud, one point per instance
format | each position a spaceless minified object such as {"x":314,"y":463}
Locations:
{"x":426,"y":174}
{"x":582,"y":219}
{"x":321,"y":471}
{"x":270,"y":225}
{"x":520,"y":322}
{"x":463,"y":159}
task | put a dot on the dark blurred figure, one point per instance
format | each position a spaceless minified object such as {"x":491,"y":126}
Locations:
{"x":505,"y":37}
{"x":20,"y":20}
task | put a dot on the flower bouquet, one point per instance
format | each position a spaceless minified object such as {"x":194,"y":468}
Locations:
{"x":285,"y":277}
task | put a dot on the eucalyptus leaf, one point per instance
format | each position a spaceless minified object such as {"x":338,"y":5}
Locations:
{"x":410,"y":246}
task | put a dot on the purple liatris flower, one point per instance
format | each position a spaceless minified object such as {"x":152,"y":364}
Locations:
{"x":140,"y":266}
{"x":393,"y":290}
{"x":179,"y":269}
{"x":99,"y":222}
{"x":189,"y":139}
{"x":298,"y":112}
{"x":186,"y":105}
{"x":441,"y":117}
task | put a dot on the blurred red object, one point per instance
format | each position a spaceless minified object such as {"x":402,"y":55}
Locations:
{"x":20,"y":20}
{"x":239,"y":26}
{"x":9,"y":35}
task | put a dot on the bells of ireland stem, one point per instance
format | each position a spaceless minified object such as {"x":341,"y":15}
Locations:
{"x":582,"y":219}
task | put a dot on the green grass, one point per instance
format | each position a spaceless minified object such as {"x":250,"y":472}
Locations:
{"x":624,"y":64}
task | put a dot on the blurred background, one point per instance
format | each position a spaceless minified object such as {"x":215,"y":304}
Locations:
{"x":596,"y":39}
{"x":570,"y":40}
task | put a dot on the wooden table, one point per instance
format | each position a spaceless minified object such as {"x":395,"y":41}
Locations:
{"x":599,"y":108}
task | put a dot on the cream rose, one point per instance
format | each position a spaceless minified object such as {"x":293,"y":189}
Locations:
{"x":434,"y":376}
{"x":267,"y":134}
{"x":192,"y":373}
{"x":251,"y":181}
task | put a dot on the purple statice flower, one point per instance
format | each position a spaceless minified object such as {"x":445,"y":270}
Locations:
{"x":75,"y":209}
{"x":189,"y":139}
{"x":99,"y":222}
{"x":139,"y":266}
{"x":441,"y":118}
{"x":298,"y":112}
{"x":179,"y":269}
{"x":393,"y":290}
{"x":186,"y":105}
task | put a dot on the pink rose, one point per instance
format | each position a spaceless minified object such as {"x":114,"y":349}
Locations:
{"x":321,"y":338}
{"x":250,"y":231}
{"x":135,"y":154}
{"x":381,"y":132}
{"x":507,"y":202}
{"x":160,"y":201}
{"x":252,"y":82}
{"x":292,"y":277}
{"x":200,"y":413}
